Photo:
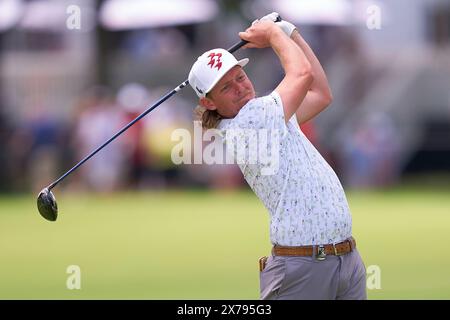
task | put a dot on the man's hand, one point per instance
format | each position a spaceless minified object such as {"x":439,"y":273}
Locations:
{"x":259,"y":34}
{"x":286,"y":26}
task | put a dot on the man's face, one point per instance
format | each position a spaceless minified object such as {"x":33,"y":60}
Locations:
{"x":230,"y":94}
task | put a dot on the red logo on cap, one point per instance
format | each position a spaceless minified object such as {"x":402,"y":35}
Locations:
{"x":218,"y":63}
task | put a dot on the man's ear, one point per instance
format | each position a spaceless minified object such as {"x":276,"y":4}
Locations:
{"x":207,"y":103}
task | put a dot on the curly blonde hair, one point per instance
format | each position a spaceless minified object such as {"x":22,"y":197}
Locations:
{"x":209,"y":118}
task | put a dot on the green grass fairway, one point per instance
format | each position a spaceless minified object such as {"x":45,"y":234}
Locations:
{"x":205,"y":245}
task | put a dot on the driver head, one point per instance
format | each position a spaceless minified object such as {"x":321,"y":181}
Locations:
{"x":46,"y":204}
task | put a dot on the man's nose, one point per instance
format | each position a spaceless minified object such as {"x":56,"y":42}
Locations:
{"x":238,"y":88}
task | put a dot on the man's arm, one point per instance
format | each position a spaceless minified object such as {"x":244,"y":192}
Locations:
{"x":298,"y":71}
{"x":319,"y":95}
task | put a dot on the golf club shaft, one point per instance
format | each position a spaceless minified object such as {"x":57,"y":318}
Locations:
{"x":164,"y":98}
{"x":167,"y":96}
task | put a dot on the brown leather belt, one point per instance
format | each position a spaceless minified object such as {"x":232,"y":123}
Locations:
{"x":320,"y":251}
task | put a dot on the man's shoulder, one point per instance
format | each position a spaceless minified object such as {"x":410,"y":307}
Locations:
{"x":271,"y":98}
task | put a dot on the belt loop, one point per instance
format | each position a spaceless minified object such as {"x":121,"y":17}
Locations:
{"x":335,"y":250}
{"x":352,"y":244}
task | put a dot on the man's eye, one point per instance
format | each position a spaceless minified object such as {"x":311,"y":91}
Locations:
{"x":225,"y":88}
{"x":241,"y":78}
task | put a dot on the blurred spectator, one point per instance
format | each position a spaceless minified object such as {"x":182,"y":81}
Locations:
{"x":99,"y":120}
{"x":5,"y":131}
{"x":158,"y":126}
{"x":30,"y":150}
{"x":370,"y":156}
{"x":45,"y":145}
{"x":18,"y":149}
{"x":133,"y":99}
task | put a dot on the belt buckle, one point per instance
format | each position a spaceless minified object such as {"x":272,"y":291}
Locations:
{"x":321,"y":255}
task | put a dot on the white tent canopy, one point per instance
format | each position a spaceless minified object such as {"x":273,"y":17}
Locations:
{"x":10,"y":13}
{"x":334,"y":12}
{"x":126,"y":14}
{"x":313,"y":12}
{"x":113,"y":14}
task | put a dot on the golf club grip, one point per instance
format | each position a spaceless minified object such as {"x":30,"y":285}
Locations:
{"x":244,"y":42}
{"x":237,"y":46}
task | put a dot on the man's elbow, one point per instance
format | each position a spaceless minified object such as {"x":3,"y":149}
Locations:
{"x":327,"y":99}
{"x":305,"y":77}
{"x":306,"y":71}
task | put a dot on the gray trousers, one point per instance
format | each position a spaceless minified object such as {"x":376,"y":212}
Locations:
{"x":305,"y":278}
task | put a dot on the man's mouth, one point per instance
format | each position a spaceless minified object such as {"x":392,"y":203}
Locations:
{"x":243,"y":97}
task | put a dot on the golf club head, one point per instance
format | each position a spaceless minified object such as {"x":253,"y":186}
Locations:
{"x":46,"y":204}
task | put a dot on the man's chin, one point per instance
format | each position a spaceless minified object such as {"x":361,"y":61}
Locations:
{"x":245,"y":100}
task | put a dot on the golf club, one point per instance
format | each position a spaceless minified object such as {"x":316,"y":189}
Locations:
{"x":46,"y":201}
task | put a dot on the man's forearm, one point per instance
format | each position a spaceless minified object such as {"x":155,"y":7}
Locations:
{"x":292,"y":59}
{"x":298,"y":72}
{"x":320,"y":82}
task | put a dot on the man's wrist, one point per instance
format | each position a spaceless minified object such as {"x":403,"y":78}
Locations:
{"x":275,"y":33}
{"x":287,"y":27}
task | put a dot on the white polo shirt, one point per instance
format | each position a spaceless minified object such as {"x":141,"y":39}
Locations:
{"x":302,"y":193}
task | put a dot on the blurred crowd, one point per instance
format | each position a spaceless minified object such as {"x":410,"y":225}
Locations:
{"x":53,"y":112}
{"x":41,"y":148}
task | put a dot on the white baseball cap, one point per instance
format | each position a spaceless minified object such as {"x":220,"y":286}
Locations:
{"x":209,"y":68}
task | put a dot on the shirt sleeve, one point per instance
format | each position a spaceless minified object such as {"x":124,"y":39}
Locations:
{"x":293,"y":121}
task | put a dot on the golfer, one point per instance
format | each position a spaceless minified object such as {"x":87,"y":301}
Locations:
{"x":314,"y":255}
